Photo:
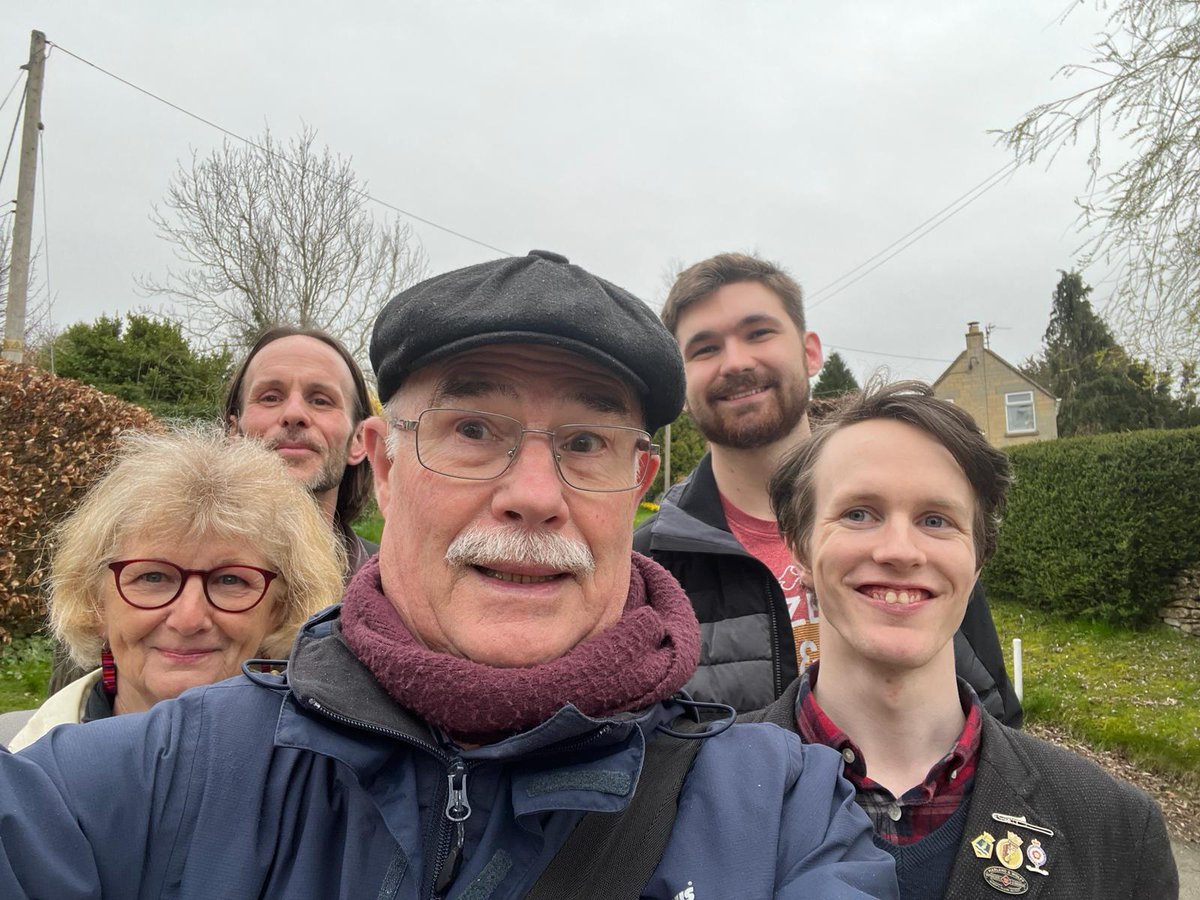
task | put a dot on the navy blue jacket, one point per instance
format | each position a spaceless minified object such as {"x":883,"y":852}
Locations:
{"x":318,"y":785}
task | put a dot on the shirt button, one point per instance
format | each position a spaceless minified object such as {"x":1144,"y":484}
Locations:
{"x":894,"y":812}
{"x":953,"y":774}
{"x":848,"y":755}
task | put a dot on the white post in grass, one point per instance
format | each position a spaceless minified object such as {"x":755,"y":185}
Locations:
{"x":1018,"y":670}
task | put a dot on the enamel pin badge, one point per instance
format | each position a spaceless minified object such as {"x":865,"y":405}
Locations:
{"x":1008,"y":851}
{"x":983,"y":844}
{"x":1037,"y":857}
{"x":1005,"y":880}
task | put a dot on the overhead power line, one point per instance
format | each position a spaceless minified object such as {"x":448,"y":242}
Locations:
{"x":46,"y":229}
{"x":4,"y":102}
{"x":902,"y":243}
{"x":881,"y":353}
{"x":906,"y":240}
{"x":233,"y":134}
{"x":12,"y":137}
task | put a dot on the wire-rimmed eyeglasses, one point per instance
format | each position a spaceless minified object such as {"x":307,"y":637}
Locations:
{"x":480,"y":446}
{"x":155,"y":583}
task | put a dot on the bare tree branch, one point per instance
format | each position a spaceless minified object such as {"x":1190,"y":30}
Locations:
{"x":279,"y":236}
{"x":1147,"y":209}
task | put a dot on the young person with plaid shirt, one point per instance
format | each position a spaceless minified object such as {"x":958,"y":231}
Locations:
{"x":891,"y":509}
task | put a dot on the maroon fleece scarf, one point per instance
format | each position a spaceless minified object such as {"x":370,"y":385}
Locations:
{"x":643,"y":658}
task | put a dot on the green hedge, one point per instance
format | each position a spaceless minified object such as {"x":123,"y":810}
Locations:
{"x":1098,"y":527}
{"x":687,"y":447}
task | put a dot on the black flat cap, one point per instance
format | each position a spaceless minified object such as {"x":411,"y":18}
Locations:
{"x":536,"y":299}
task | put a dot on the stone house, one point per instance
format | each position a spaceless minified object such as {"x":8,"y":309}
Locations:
{"x":1010,"y":407}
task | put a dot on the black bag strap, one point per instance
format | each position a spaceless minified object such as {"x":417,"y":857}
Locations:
{"x":613,"y":855}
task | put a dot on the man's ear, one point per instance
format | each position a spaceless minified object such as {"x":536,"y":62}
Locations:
{"x":374,"y":439}
{"x":652,"y":466}
{"x":357,"y":451}
{"x":814,"y":358}
{"x":231,"y":429}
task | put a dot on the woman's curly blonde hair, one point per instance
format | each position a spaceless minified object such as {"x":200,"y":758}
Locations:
{"x":192,"y":484}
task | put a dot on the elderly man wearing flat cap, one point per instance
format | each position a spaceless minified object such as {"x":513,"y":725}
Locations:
{"x":492,"y":711}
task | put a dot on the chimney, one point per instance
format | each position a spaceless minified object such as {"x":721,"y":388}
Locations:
{"x":974,"y":346}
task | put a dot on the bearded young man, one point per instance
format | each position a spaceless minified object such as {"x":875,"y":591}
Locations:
{"x":748,"y":355}
{"x":491,"y":712}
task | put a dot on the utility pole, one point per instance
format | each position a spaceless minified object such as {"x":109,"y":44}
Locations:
{"x":18,"y":272}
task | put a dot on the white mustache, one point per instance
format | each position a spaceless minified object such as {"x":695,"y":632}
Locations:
{"x":489,"y":546}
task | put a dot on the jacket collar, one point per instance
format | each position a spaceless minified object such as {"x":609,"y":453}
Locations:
{"x":1006,"y":783}
{"x":691,"y":519}
{"x":328,"y":682}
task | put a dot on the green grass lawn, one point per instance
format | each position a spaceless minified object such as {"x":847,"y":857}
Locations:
{"x":370,"y":524}
{"x":24,"y":672}
{"x":1137,"y":692}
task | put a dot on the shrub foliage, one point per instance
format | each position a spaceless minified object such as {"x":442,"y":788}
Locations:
{"x":1099,"y":527}
{"x":687,"y":447}
{"x":55,"y":436}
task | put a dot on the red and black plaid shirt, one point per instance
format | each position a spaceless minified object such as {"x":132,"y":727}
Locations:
{"x":907,"y":819}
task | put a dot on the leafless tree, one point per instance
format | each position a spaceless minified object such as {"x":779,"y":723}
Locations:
{"x":279,"y":234}
{"x":39,"y":327}
{"x":1145,"y":89}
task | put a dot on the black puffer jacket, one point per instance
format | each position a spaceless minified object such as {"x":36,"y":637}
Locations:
{"x":747,"y":657}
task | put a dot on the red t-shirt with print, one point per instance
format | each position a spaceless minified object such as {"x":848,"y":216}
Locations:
{"x":762,"y":540}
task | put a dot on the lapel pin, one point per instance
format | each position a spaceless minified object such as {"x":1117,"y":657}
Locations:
{"x":1005,"y":880}
{"x":1008,"y":851}
{"x":1037,"y":857}
{"x":983,"y":844}
{"x":1019,"y":821}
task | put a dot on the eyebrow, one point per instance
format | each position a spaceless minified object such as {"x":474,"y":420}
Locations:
{"x":267,"y":383}
{"x":753,"y":319}
{"x":851,"y":498}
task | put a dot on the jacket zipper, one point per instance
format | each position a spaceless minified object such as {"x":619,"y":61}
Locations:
{"x":457,"y":809}
{"x":776,"y":663}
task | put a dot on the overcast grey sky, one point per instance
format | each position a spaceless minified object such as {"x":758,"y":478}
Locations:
{"x":628,"y":135}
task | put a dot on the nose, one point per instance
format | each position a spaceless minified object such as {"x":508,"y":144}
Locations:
{"x":295,"y":411}
{"x":898,"y":545}
{"x":736,"y":357}
{"x":530,"y":493}
{"x":190,"y":613}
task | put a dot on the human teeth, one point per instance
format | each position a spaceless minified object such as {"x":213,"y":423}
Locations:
{"x":749,"y":393}
{"x":519,"y":579}
{"x":895,"y":597}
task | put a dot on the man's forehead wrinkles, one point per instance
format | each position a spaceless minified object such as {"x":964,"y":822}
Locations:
{"x":597,"y":392}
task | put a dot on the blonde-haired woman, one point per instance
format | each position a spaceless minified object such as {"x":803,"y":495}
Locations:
{"x":191,"y":555}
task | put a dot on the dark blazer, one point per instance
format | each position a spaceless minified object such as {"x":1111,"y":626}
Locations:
{"x":1109,"y":841}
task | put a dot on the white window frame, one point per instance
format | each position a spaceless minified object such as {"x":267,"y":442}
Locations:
{"x":1015,"y":401}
